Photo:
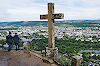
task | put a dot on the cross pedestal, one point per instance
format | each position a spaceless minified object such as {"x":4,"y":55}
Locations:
{"x":51,"y":16}
{"x":52,"y":52}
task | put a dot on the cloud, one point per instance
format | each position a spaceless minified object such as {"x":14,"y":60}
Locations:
{"x":21,"y":10}
{"x":12,"y":10}
{"x":80,"y":9}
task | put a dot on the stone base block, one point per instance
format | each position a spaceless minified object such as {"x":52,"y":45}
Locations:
{"x":76,"y":60}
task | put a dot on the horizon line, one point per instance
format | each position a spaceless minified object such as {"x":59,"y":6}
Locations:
{"x":47,"y":20}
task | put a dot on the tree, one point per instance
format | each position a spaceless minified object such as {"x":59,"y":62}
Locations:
{"x":64,"y":62}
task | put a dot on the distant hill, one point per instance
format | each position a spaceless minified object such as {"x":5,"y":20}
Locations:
{"x":96,"y":21}
{"x":24,"y":23}
{"x":65,"y":23}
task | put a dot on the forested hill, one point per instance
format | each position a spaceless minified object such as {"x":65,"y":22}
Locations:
{"x":64,"y":23}
{"x":24,"y":23}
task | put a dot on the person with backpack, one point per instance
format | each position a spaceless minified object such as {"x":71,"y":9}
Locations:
{"x":9,"y":41}
{"x":16,"y":41}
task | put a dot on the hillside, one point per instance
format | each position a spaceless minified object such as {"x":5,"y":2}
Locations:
{"x":65,"y":23}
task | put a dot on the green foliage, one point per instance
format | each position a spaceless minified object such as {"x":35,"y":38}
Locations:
{"x":39,"y":44}
{"x":5,"y":48}
{"x":64,"y":62}
{"x":2,"y":42}
{"x":21,"y":43}
{"x":95,"y":57}
{"x":36,"y":35}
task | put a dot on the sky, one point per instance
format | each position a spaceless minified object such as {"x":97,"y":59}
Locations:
{"x":30,"y":10}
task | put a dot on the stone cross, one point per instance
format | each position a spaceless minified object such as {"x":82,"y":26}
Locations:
{"x":51,"y":16}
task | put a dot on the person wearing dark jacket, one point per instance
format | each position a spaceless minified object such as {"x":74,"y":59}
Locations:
{"x":16,"y":41}
{"x":9,"y":41}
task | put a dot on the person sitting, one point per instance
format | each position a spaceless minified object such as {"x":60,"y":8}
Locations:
{"x":9,"y":41}
{"x":16,"y":41}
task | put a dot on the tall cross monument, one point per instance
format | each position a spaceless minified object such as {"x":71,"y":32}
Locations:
{"x":51,"y":16}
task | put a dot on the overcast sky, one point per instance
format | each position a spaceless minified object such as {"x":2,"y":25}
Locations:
{"x":27,"y":10}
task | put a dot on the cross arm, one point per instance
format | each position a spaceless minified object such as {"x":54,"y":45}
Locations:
{"x":54,"y":16}
{"x":58,"y":16}
{"x":44,"y":16}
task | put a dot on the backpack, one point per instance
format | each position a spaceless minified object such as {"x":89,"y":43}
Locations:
{"x":9,"y":39}
{"x":16,"y":39}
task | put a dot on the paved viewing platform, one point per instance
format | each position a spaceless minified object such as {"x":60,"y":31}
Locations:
{"x":22,"y":58}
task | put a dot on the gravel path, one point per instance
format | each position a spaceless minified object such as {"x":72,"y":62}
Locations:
{"x":20,"y":58}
